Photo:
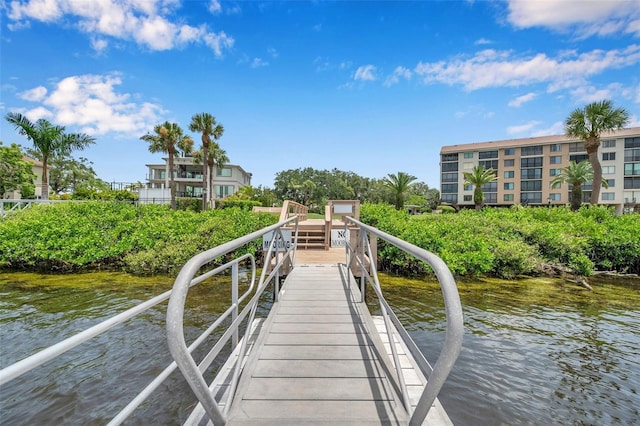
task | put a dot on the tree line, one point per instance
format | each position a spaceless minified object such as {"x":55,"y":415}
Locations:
{"x":308,"y":186}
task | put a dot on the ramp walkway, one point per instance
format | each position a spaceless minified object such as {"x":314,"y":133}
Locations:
{"x":319,"y":359}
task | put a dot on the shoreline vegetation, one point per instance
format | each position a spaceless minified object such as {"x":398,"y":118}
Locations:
{"x":507,"y":243}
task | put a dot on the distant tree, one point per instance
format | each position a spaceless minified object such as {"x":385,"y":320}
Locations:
{"x":66,"y":174}
{"x":588,"y":124}
{"x":206,"y":124}
{"x":477,"y":177}
{"x":48,"y":140}
{"x":15,"y":172}
{"x":400,"y":184}
{"x":168,"y":138}
{"x":575,"y":174}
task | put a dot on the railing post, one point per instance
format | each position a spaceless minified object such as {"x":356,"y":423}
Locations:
{"x":234,"y":301}
{"x":363,"y":281}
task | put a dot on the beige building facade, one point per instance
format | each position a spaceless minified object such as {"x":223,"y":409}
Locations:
{"x":188,"y":178}
{"x":38,"y":169}
{"x":526,"y":167}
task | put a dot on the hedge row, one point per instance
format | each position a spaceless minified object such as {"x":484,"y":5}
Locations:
{"x":146,"y":239}
{"x":512,"y":242}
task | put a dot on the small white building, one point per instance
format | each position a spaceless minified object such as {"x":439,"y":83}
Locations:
{"x":188,"y":180}
{"x":37,"y":168}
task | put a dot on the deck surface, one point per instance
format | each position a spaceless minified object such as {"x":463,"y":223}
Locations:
{"x":318,"y":359}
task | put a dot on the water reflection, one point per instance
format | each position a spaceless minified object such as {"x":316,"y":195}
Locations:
{"x":535,"y":352}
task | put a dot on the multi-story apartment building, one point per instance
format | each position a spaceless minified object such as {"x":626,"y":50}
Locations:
{"x":526,"y":167}
{"x":188,"y":178}
{"x":38,"y":169}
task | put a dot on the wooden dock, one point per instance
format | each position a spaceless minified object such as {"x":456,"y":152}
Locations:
{"x":319,"y":359}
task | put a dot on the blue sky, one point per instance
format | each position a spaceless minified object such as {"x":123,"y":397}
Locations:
{"x":370,"y":87}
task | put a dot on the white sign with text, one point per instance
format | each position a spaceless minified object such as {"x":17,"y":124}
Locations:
{"x":283,"y":241}
{"x":339,"y":237}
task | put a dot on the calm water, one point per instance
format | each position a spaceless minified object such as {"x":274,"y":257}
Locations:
{"x":535,"y":352}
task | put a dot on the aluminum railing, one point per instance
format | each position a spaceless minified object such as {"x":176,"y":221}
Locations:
{"x":181,"y":286}
{"x":437,"y":375}
{"x":276,"y":259}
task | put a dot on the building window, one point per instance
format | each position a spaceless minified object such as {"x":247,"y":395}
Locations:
{"x":488,"y":154}
{"x":468,"y":155}
{"x":449,"y":177}
{"x":531,"y":185}
{"x":531,"y":197}
{"x":509,"y":163}
{"x":578,"y":158}
{"x":491,"y":198}
{"x":530,"y":162}
{"x":508,"y":185}
{"x":224,"y":171}
{"x":608,"y":156}
{"x":608,"y":170}
{"x":608,"y":196}
{"x":489,"y":164}
{"x":554,"y":196}
{"x":611,"y":183}
{"x":510,"y":151}
{"x":632,"y":183}
{"x":609,"y":143}
{"x":531,"y":174}
{"x":631,"y":169}
{"x":555,"y":159}
{"x":556,"y":147}
{"x":632,"y":142}
{"x":222,"y":191}
{"x":509,"y":175}
{"x":507,"y":197}
{"x":554,"y":172}
{"x":631,"y":155}
{"x":468,"y":187}
{"x":531,"y":150}
{"x":467,"y":197}
{"x":576,"y":147}
{"x":450,"y":188}
{"x":490,"y":187}
{"x":450,"y":167}
{"x":449,"y":157}
{"x":449,"y":198}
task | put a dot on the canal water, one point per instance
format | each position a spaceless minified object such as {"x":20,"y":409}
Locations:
{"x":535,"y":352}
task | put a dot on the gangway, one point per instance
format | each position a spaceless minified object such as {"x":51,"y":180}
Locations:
{"x":317,"y":357}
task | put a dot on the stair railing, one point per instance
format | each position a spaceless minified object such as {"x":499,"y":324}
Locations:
{"x":437,"y":375}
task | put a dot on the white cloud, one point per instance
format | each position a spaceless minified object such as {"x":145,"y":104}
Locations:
{"x":215,"y":7}
{"x":491,"y":68}
{"x":365,"y":73}
{"x":99,"y":45}
{"x":92,"y":103}
{"x":482,"y":41}
{"x":556,"y":128}
{"x":147,"y":22}
{"x":522,"y":99}
{"x":37,"y":113}
{"x":586,"y":18}
{"x":398,"y":73}
{"x":512,"y":130}
{"x":34,"y":95}
{"x":258,"y":62}
{"x":273,"y":52}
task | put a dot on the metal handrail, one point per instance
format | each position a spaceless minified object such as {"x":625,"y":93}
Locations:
{"x":191,"y":371}
{"x":453,"y":312}
{"x":25,"y":365}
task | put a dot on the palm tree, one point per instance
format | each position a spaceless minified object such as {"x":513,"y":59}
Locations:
{"x":168,"y":138}
{"x":206,"y":124}
{"x":575,"y":174}
{"x":48,"y":140}
{"x":478,"y":177}
{"x":399,"y":183}
{"x":218,"y":158}
{"x":588,"y":124}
